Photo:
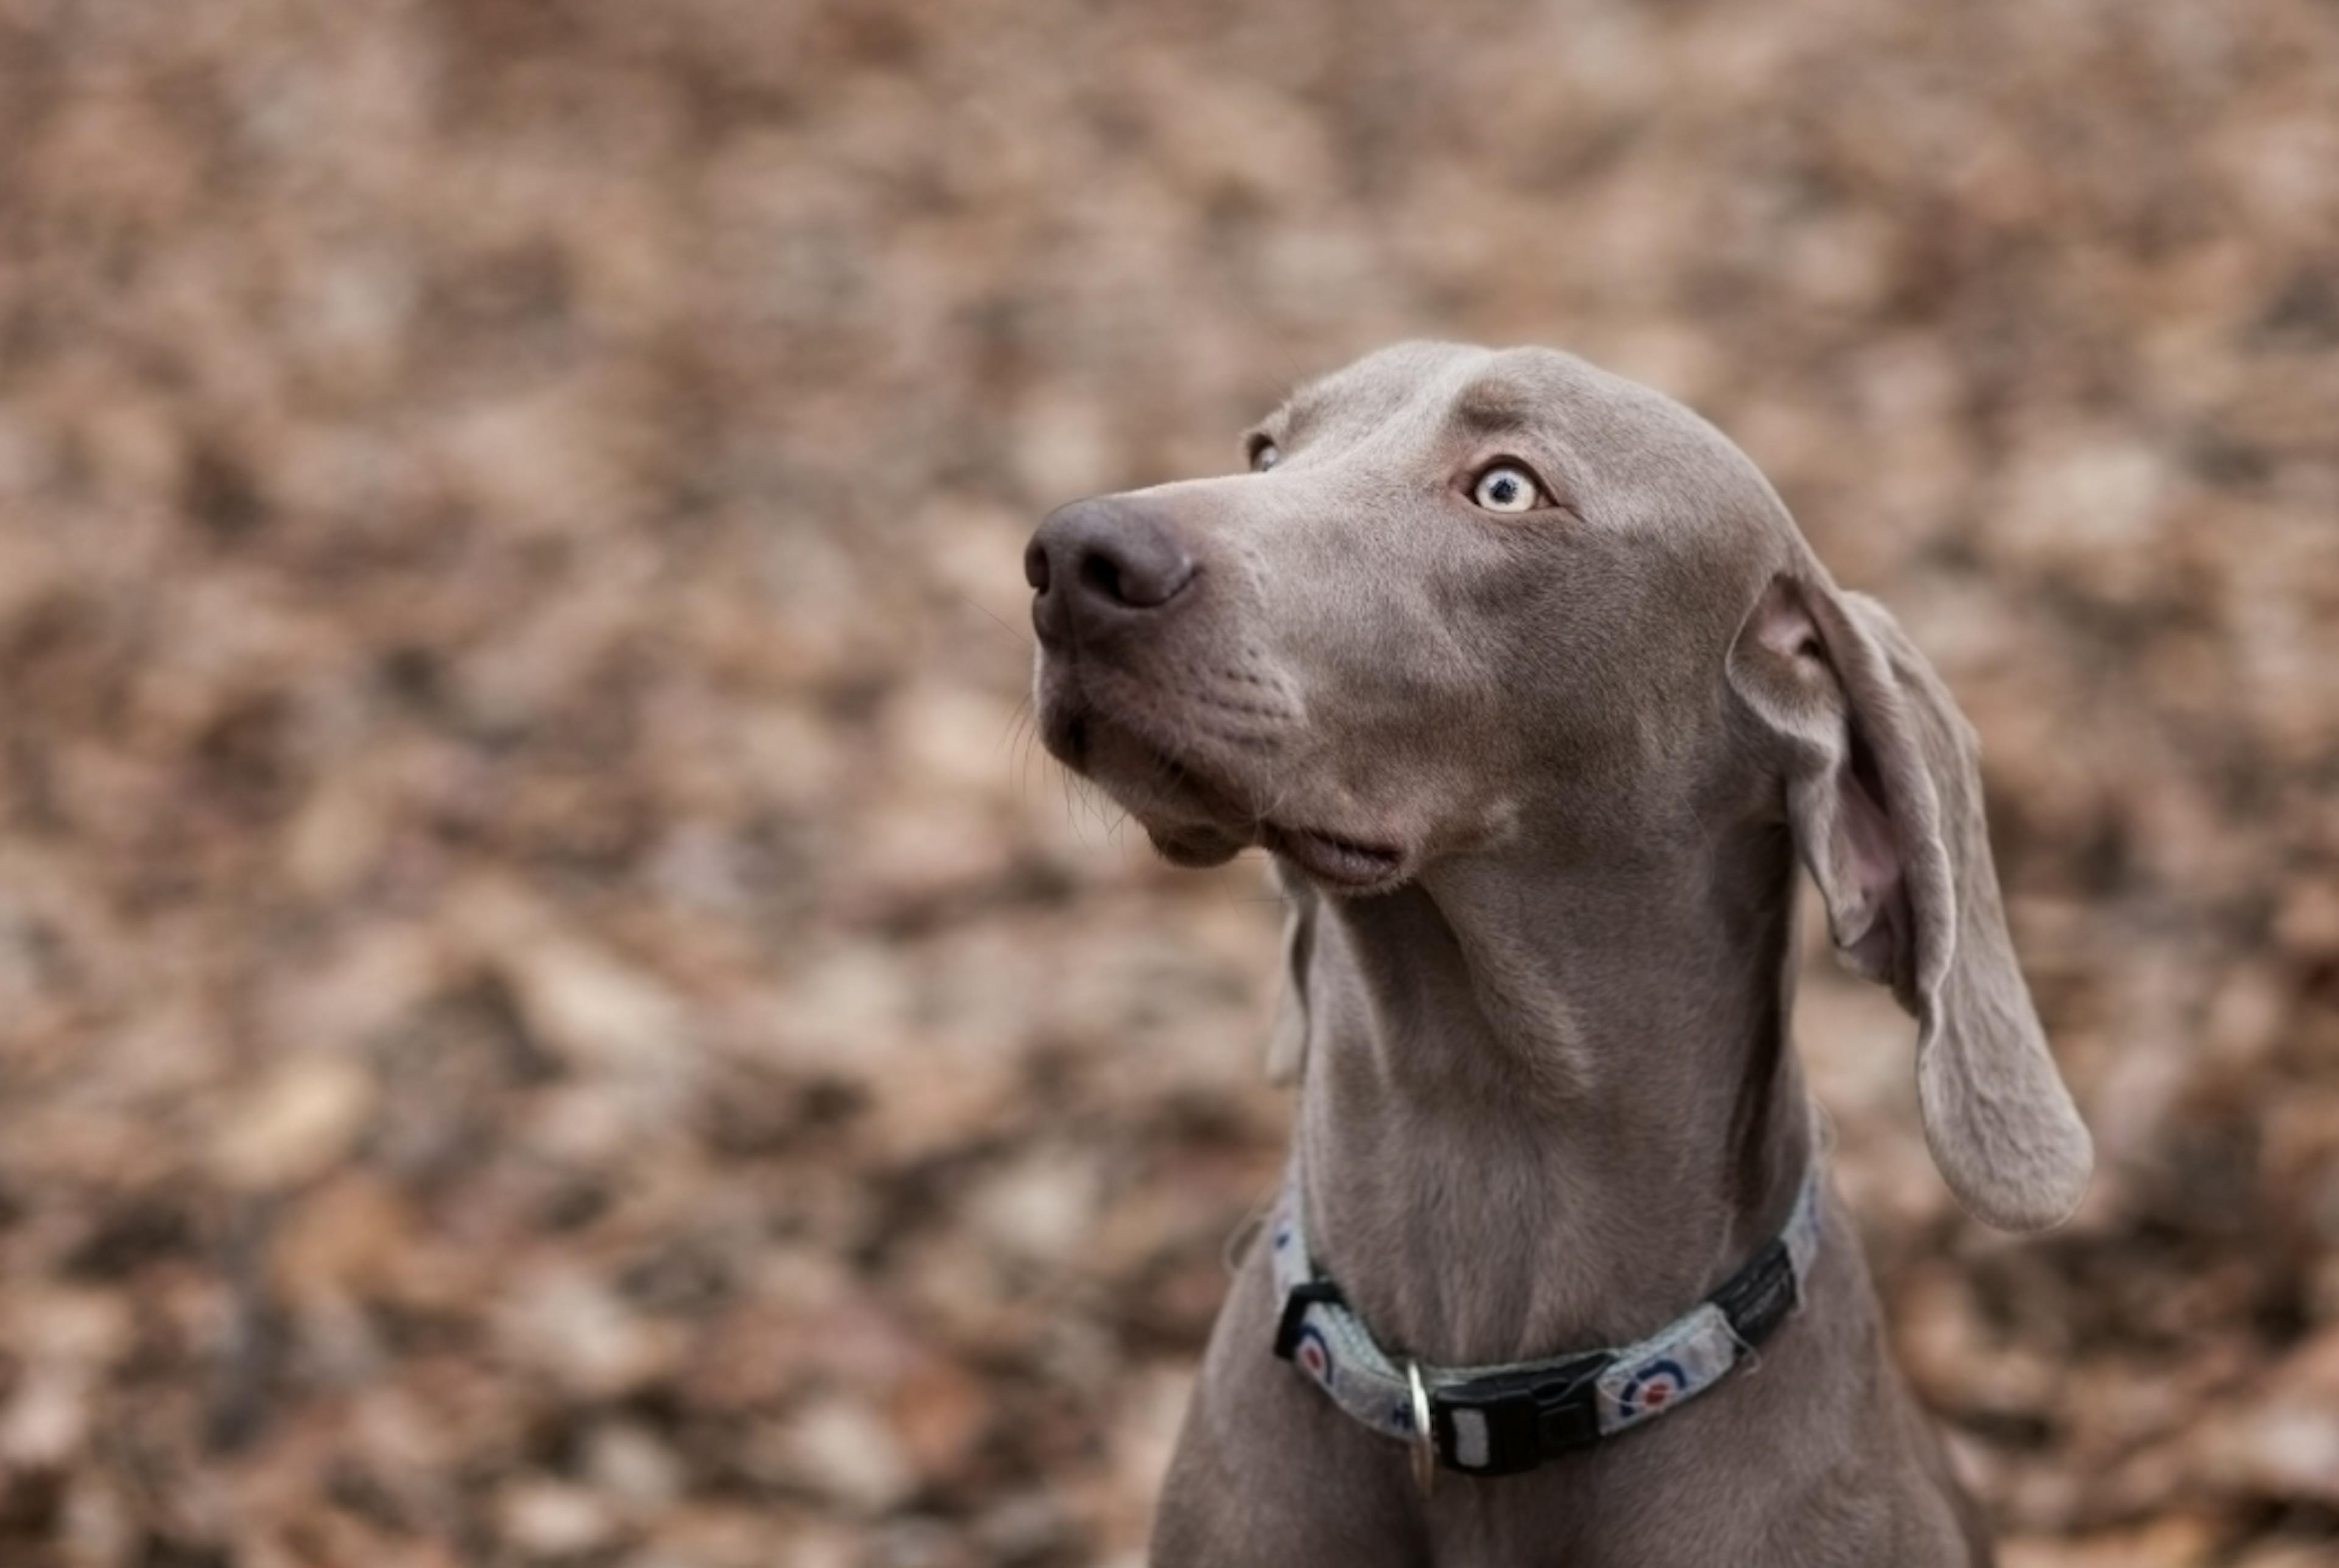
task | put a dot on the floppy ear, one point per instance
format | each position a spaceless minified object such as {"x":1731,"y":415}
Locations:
{"x":1287,"y":1049}
{"x":1883,"y":795}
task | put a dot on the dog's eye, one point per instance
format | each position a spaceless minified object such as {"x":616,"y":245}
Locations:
{"x":1508,"y":487}
{"x":1264,"y":454}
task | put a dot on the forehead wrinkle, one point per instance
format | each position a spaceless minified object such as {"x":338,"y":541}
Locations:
{"x":1395,"y":384}
{"x":1491,"y":408}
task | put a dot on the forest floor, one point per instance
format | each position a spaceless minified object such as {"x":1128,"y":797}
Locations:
{"x":549,"y":1010}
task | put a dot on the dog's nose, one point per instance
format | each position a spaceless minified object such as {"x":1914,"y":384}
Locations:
{"x":1098,"y":561}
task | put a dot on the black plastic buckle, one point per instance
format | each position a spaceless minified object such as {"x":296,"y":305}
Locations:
{"x":1529,"y":1416}
{"x":1304,"y":1295}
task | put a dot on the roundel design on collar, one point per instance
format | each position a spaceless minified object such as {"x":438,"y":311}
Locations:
{"x":1653,"y":1388}
{"x":1314,"y":1355}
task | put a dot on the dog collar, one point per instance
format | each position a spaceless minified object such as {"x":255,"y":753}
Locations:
{"x":1498,"y":1420}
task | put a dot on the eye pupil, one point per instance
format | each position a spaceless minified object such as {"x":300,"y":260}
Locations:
{"x":1506,"y":487}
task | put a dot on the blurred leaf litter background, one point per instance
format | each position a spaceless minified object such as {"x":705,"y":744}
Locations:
{"x":549,"y":1010}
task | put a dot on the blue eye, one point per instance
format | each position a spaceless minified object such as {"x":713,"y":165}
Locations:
{"x":1264,"y":454}
{"x":1507,"y":488}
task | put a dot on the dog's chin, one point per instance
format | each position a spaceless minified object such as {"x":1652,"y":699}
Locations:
{"x":1184,"y":810}
{"x":1195,"y":848}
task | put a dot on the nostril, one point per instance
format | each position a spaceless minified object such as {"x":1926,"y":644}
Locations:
{"x":1035,"y":567}
{"x":1133,"y":577}
{"x":1101,"y":575}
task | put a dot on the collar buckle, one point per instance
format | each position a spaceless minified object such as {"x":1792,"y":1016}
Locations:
{"x":1507,"y":1422}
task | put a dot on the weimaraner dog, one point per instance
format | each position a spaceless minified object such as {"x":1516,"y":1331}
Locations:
{"x":1529,"y":683}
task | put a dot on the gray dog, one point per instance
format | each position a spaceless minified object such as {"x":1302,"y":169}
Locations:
{"x":1528,"y":680}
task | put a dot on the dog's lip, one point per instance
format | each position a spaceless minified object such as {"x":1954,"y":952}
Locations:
{"x":1332,"y":857}
{"x":1073,"y":729}
{"x":1070,"y":727}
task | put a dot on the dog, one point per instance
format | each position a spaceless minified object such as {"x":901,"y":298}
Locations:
{"x":1528,"y":682}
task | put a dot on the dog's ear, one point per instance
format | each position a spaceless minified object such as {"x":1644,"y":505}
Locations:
{"x":1287,"y":1047}
{"x":1883,"y":796}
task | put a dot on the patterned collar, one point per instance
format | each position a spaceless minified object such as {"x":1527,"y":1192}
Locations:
{"x":1498,"y":1420}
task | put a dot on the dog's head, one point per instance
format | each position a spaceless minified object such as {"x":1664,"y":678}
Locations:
{"x":1465,"y":600}
{"x":1456,"y":589}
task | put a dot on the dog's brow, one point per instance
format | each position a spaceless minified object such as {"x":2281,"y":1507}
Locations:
{"x":1492,"y":408}
{"x":1298,"y":412}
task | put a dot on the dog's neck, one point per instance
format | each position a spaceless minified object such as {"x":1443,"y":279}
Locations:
{"x":1547,"y":1107}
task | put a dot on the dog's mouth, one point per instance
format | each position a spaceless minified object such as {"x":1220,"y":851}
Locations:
{"x":1195,"y":814}
{"x":1345,"y":863}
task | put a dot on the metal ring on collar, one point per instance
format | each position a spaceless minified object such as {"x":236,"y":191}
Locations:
{"x":1424,"y":1437}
